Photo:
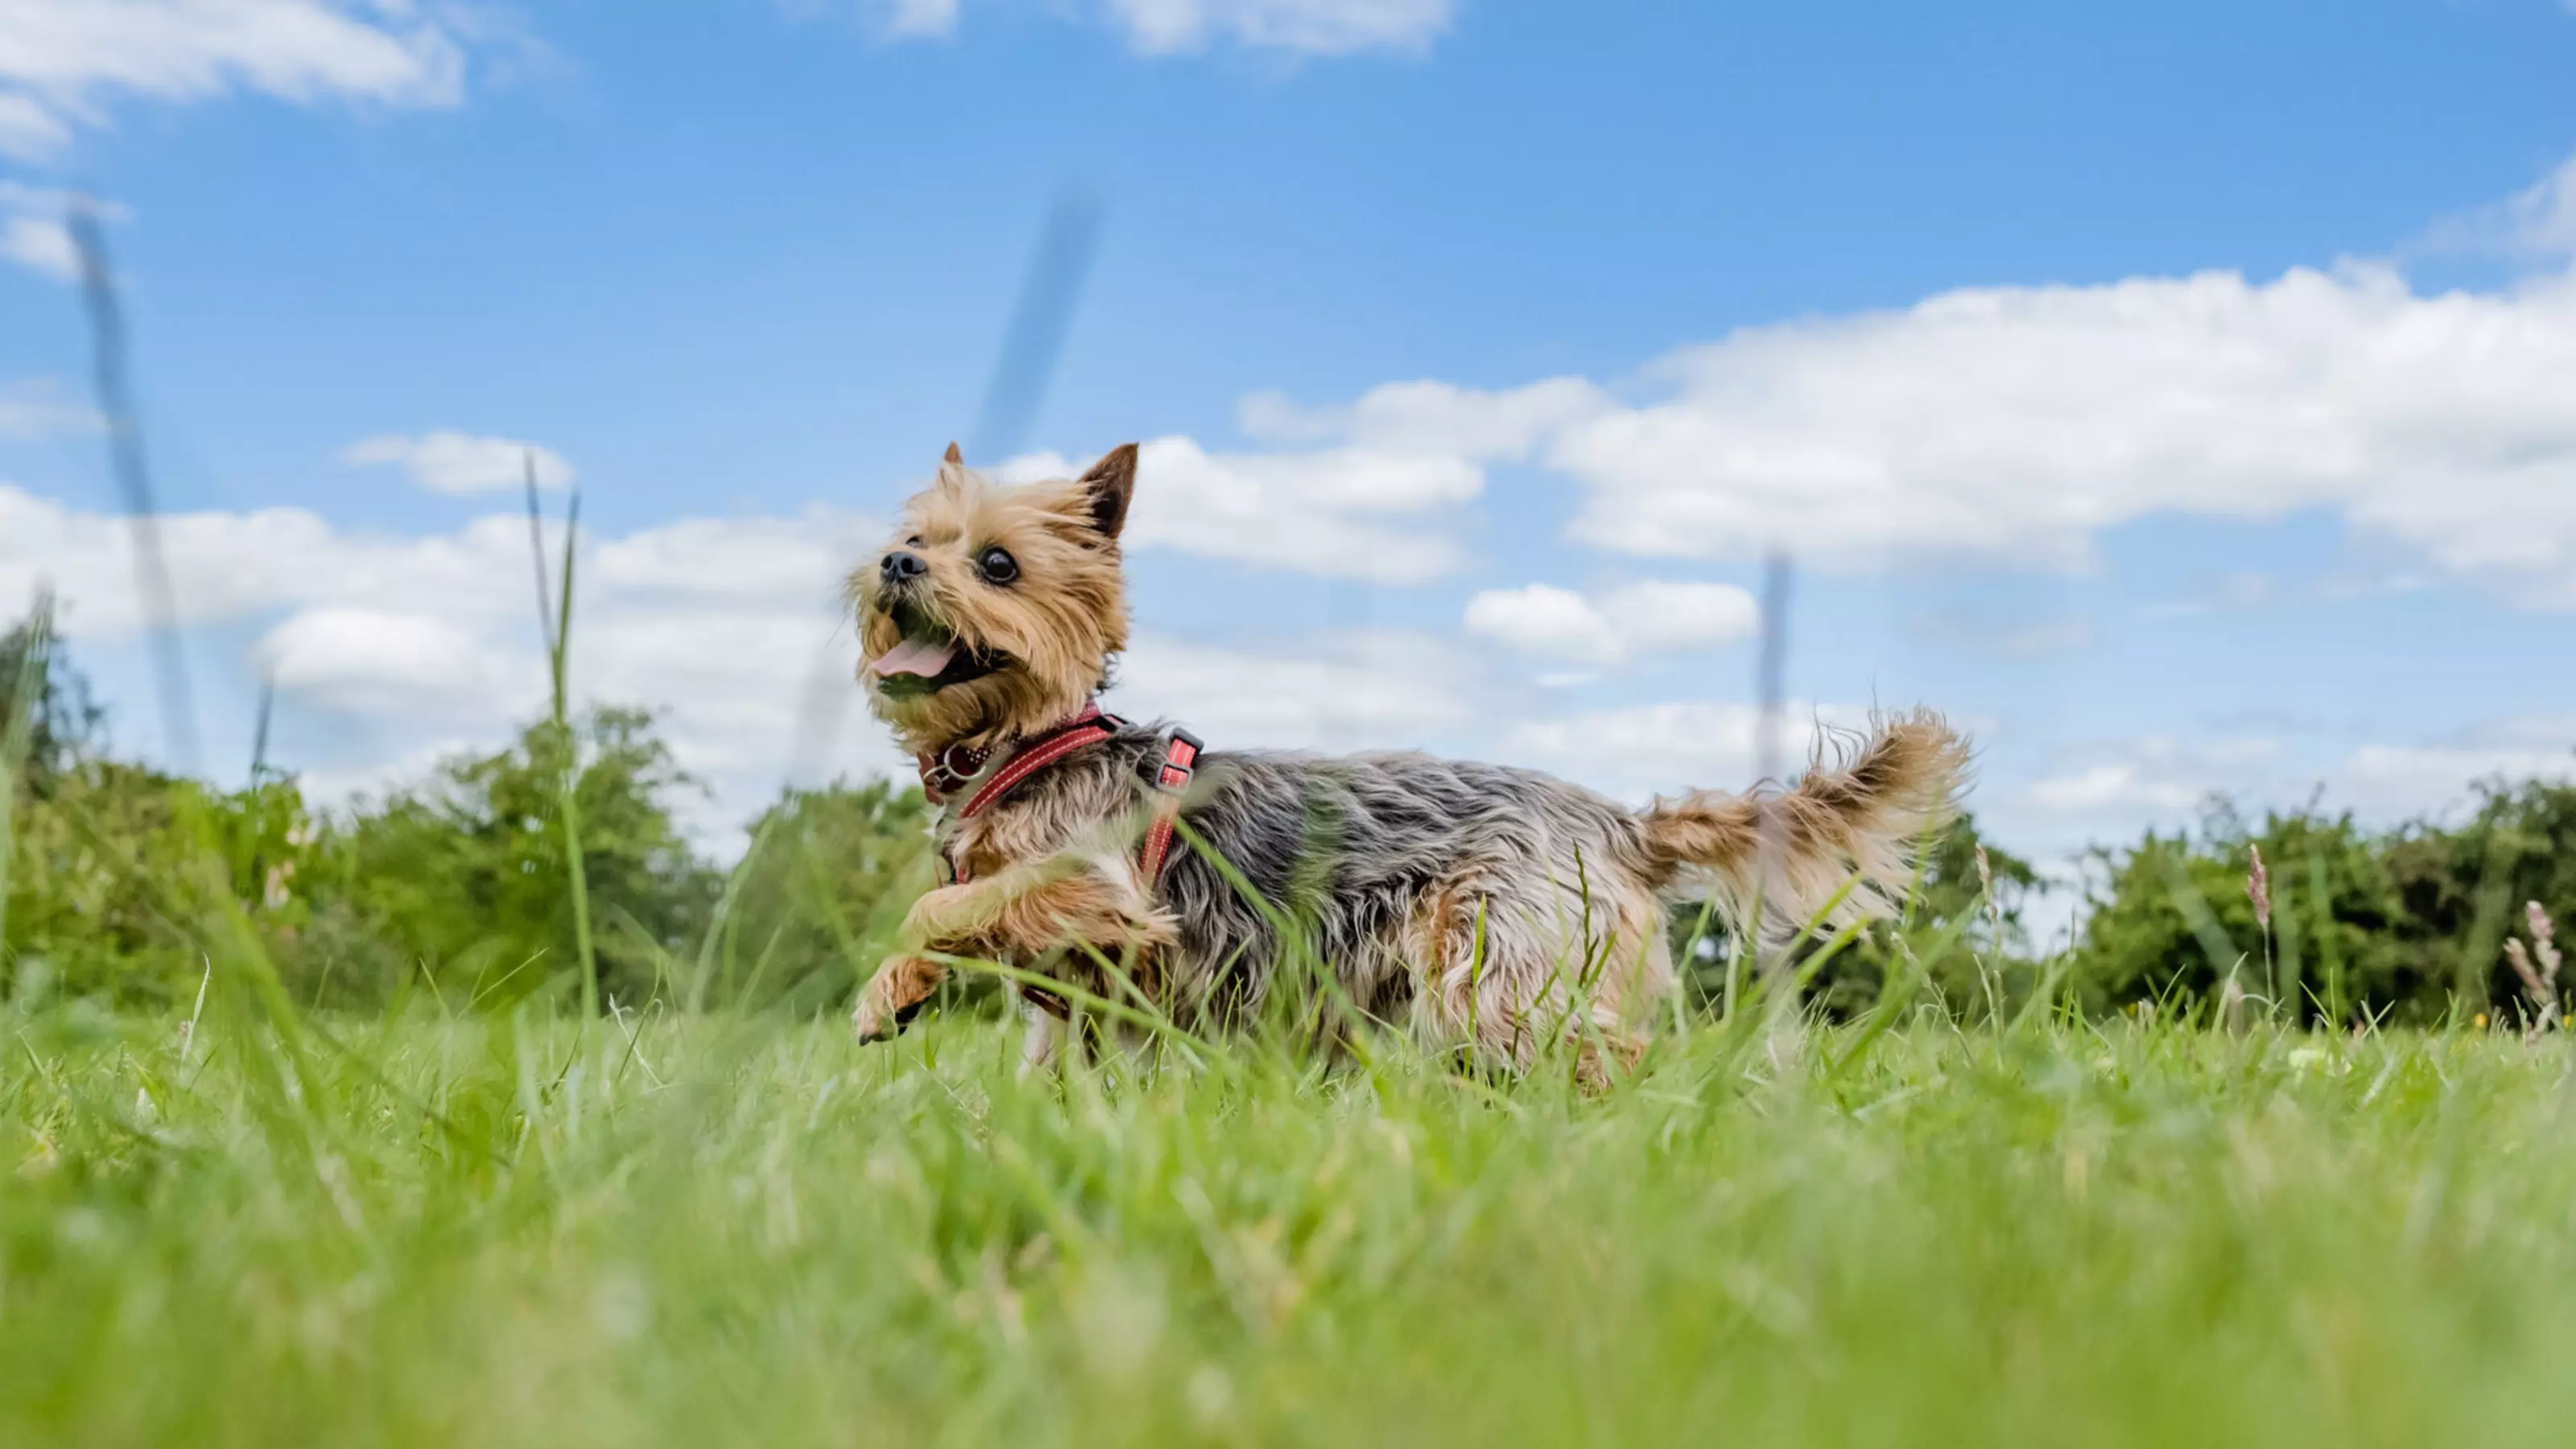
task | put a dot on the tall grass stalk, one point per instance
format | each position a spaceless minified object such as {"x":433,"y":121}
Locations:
{"x":556,"y":626}
{"x":17,"y":733}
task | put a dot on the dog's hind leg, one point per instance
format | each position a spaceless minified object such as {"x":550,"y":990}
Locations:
{"x":1506,"y":979}
{"x":1042,"y":1045}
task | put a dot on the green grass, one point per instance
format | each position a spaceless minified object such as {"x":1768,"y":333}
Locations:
{"x":729,"y":1230}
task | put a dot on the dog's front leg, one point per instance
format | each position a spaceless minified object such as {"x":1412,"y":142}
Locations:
{"x":896,"y":994}
{"x":1020,"y":916}
{"x":947,"y":918}
{"x":941,"y":920}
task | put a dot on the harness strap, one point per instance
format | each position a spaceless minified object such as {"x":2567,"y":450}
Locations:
{"x":1173,"y":770}
{"x":1171,"y":781}
{"x":1087,"y":728}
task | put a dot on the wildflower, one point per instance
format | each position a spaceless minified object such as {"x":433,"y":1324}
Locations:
{"x":2482,"y":1021}
{"x":2537,"y":968}
{"x":2520,"y":960}
{"x":2258,"y":888}
{"x":2544,"y":939}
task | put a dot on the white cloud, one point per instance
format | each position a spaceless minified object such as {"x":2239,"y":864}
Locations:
{"x":1647,"y":617}
{"x":727,"y":626}
{"x":2156,"y":778}
{"x":2436,"y":777}
{"x":2119,"y":784}
{"x":1543,"y":619}
{"x":1305,"y":27}
{"x":2020,"y":423}
{"x":1433,"y":418}
{"x":28,"y":129}
{"x":461,"y":464}
{"x":41,"y":244}
{"x":892,"y":19}
{"x":38,"y":407}
{"x":1999,"y":634}
{"x":1379,"y":493}
{"x":2539,"y":221}
{"x":367,"y":660}
{"x":1346,"y":691}
{"x":1645,"y":750}
{"x":1356,"y":513}
{"x":2017,"y":425}
{"x":62,"y":60}
{"x":731,"y":627}
{"x":922,"y":17}
{"x":2112,"y":791}
{"x":33,"y":230}
{"x":1176,"y":27}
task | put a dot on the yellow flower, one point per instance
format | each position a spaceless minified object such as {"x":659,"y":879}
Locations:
{"x":2482,"y":1021}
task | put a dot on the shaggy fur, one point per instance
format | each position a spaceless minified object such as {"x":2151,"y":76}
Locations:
{"x":1491,"y":909}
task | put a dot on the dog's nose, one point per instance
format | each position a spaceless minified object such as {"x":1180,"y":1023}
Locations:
{"x":900,"y":565}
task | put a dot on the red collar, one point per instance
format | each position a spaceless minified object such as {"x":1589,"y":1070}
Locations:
{"x":951,"y":770}
{"x":954,"y":768}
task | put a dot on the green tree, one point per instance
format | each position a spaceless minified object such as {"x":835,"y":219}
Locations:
{"x":2461,"y":890}
{"x":818,"y":899}
{"x":467,"y":877}
{"x":2173,"y":919}
{"x":65,"y":723}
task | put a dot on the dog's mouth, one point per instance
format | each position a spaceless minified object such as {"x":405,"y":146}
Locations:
{"x":929,"y":658}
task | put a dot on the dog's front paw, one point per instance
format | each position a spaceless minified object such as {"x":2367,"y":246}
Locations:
{"x":894,"y":996}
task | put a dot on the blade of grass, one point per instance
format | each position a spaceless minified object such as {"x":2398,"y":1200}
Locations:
{"x":16,"y":733}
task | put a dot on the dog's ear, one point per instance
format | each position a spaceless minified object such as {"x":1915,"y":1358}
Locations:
{"x":952,"y":469}
{"x":1109,"y":484}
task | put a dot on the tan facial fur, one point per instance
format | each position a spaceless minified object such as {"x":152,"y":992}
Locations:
{"x":1050,"y":632}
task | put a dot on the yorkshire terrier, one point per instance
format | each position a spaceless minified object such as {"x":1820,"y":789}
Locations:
{"x":1485,"y":909}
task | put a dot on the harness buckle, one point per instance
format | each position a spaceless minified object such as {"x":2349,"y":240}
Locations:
{"x":1177,"y":761}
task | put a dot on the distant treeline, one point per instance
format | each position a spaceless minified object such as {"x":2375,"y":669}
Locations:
{"x":460,"y":888}
{"x":457,"y":888}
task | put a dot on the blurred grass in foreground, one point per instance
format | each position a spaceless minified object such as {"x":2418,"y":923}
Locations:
{"x":735,"y":1229}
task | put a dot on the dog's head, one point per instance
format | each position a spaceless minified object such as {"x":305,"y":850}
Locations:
{"x":995,"y":609}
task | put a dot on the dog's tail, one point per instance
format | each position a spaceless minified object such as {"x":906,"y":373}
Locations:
{"x":1865,"y":810}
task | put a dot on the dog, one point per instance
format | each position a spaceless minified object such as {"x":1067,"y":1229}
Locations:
{"x":1491,"y":911}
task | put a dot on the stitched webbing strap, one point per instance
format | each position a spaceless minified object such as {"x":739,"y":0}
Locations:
{"x":1172,"y":774}
{"x":1087,"y":728}
{"x":1171,"y":781}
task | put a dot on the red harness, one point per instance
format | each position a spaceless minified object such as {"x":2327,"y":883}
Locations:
{"x":952,"y":769}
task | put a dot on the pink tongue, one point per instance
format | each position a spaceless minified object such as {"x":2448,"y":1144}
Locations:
{"x":915,"y":657}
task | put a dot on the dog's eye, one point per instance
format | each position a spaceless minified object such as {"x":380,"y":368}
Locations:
{"x":913,"y":542}
{"x":997,"y":565}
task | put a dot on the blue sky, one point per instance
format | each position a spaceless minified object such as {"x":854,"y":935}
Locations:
{"x":2182,"y":396}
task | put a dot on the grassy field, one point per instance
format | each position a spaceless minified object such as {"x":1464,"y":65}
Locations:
{"x":744,"y":1230}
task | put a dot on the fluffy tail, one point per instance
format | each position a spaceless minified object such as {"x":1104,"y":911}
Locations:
{"x":1866,"y":810}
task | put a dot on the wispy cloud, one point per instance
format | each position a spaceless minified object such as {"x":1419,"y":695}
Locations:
{"x":34,"y":231}
{"x":64,"y":62}
{"x":461,"y":464}
{"x":1998,"y":635}
{"x":2539,"y":222}
{"x":2016,"y":426}
{"x":1303,"y":27}
{"x":41,"y":407}
{"x":1607,"y":630}
{"x":1182,"y":27}
{"x":1385,"y":516}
